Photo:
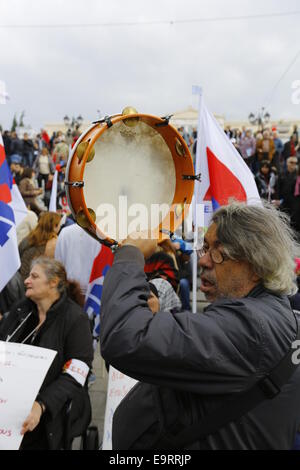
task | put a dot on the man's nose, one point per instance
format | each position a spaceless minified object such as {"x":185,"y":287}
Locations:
{"x":205,"y":261}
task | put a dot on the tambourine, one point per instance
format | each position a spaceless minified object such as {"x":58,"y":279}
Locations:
{"x":127,"y":171}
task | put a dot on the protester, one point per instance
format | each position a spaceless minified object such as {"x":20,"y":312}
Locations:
{"x":192,"y":364}
{"x":45,"y":139}
{"x":287,"y":183}
{"x":183,"y":259}
{"x":43,"y":166}
{"x":26,"y":226}
{"x":290,"y":148}
{"x":29,"y":191}
{"x":267,"y":181}
{"x":17,"y":170}
{"x":16,"y":149}
{"x":295,"y":133}
{"x":50,"y":317}
{"x":28,"y":151}
{"x":11,"y":293}
{"x":7,"y":143}
{"x":247,"y":147}
{"x":41,"y":241}
{"x":278,"y":150}
{"x":265,"y":147}
{"x":61,"y":150}
{"x":162,"y":265}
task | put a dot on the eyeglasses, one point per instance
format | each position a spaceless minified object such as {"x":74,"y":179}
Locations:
{"x":216,"y":256}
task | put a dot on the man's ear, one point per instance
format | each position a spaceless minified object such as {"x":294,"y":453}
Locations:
{"x":255,"y":277}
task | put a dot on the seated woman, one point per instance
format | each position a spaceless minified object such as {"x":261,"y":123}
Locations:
{"x":41,"y":241}
{"x":48,"y":317}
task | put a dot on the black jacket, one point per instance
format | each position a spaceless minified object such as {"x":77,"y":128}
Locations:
{"x":204,"y":358}
{"x":67,"y":331}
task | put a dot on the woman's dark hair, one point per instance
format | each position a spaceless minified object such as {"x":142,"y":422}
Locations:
{"x":27,"y":173}
{"x":265,"y":163}
{"x":55,"y":269}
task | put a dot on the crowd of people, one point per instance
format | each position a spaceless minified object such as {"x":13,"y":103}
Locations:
{"x":275,"y":165}
{"x":43,"y":303}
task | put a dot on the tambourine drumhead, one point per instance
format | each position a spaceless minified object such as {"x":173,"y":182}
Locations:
{"x":133,"y":177}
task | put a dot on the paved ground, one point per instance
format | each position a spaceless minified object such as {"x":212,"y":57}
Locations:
{"x":99,"y":388}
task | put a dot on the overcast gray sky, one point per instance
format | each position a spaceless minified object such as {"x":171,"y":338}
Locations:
{"x":50,"y":72}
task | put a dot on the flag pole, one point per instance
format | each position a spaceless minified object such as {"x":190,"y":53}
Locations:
{"x":196,"y":91}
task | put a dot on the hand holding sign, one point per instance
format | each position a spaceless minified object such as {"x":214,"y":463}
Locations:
{"x":33,"y":418}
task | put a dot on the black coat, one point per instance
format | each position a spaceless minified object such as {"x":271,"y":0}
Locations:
{"x":67,"y":331}
{"x":204,"y":358}
{"x":16,"y":146}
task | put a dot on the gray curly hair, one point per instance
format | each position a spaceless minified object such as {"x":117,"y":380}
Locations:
{"x":262,"y":236}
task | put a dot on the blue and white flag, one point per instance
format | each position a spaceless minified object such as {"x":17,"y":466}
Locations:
{"x":9,"y":253}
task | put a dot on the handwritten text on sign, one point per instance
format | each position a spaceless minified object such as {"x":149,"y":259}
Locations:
{"x":118,"y":386}
{"x":22,"y":372}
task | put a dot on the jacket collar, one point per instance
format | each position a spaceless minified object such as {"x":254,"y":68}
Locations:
{"x":256,"y":291}
{"x":25,"y":305}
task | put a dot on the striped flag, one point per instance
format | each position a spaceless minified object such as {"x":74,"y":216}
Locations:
{"x":9,"y":253}
{"x":92,"y":307}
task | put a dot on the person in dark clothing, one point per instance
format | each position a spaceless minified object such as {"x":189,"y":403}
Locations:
{"x":289,"y":148}
{"x":162,"y":265}
{"x":12,"y":292}
{"x":267,"y":181}
{"x":17,"y":170}
{"x":28,"y":151}
{"x":16,"y":149}
{"x":7,"y":143}
{"x":48,"y":317}
{"x":193,"y":363}
{"x":287,"y":183}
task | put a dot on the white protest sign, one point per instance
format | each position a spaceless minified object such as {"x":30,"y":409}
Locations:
{"x":22,"y":372}
{"x":118,"y":386}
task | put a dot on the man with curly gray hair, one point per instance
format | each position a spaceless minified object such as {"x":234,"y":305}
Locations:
{"x":194,"y":368}
{"x":247,"y":246}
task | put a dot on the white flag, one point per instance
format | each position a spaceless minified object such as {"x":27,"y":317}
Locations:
{"x":52,"y":204}
{"x":18,"y":204}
